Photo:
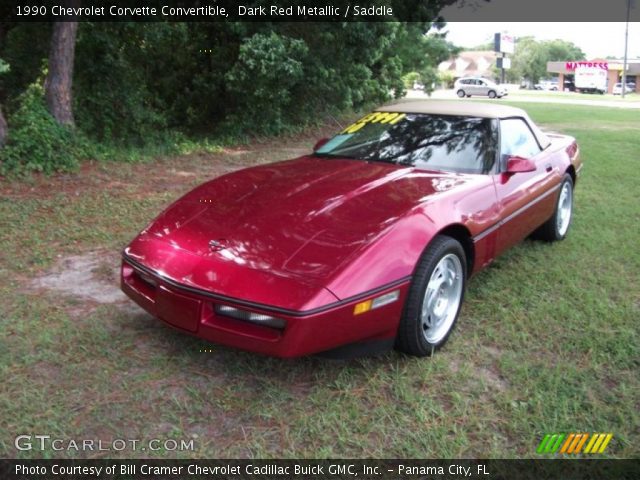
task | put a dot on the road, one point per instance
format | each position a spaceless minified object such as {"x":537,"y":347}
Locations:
{"x":542,"y":97}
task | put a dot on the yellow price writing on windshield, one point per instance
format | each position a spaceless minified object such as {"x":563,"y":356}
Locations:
{"x":375,"y":117}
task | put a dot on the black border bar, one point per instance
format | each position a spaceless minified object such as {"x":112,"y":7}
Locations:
{"x":324,"y":11}
{"x":538,"y":469}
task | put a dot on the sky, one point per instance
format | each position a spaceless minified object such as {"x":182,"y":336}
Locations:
{"x":597,"y":40}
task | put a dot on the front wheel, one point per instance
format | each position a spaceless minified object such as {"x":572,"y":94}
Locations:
{"x":557,"y":226}
{"x":460,"y":93}
{"x":492,"y":94}
{"x":435,"y":297}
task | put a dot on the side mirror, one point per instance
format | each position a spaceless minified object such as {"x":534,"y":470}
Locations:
{"x":520,"y":165}
{"x":320,"y":143}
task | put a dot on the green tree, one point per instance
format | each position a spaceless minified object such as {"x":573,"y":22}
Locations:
{"x":59,"y":79}
{"x":560,"y":50}
{"x":135,"y":83}
{"x":421,"y":52}
{"x":529,"y":59}
{"x":531,"y":56}
{"x":264,"y":78}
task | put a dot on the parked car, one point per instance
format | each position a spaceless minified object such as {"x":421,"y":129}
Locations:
{"x":549,"y":85}
{"x":369,"y":240}
{"x":468,"y":86}
{"x":617,"y":88}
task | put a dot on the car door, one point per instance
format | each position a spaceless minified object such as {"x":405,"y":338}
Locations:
{"x":483,"y":88}
{"x":467,"y":86}
{"x":525,"y":199}
{"x":474,"y":87}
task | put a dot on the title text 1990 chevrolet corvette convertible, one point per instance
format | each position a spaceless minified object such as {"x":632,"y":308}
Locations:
{"x":369,"y":240}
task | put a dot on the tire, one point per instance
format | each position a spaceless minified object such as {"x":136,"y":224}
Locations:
{"x":557,"y":227}
{"x":492,"y":94}
{"x":441,"y":274}
{"x":460,"y":93}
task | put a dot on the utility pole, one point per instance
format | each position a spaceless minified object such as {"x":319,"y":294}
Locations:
{"x":626,"y":42}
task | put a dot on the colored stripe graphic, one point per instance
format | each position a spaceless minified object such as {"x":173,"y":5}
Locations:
{"x":567,"y":443}
{"x":572,"y":443}
{"x":606,"y":442}
{"x":553,"y":444}
{"x":584,"y":439}
{"x":590,"y":444}
{"x":596,"y":446}
{"x":543,"y":443}
{"x":574,"y":446}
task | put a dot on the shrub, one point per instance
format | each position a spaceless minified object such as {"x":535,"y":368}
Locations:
{"x":114,"y":100}
{"x":446,"y":79}
{"x":269,"y":66}
{"x":410,"y":79}
{"x":36,"y":142}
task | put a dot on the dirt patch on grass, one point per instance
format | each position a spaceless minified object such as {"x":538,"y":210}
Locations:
{"x":492,"y":379}
{"x":493,"y":352}
{"x":491,"y":374}
{"x":91,"y":276}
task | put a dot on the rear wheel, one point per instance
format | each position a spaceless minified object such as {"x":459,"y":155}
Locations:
{"x":557,"y":226}
{"x":434,"y":299}
{"x":461,"y":93}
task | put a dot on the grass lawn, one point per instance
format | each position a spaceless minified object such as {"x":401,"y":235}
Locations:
{"x":547,"y":340}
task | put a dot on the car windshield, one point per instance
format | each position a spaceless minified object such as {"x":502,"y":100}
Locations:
{"x":432,"y":142}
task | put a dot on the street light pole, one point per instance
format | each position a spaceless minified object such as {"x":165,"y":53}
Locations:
{"x":626,"y":42}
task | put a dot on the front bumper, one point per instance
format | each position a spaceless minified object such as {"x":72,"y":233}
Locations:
{"x":305,"y":333}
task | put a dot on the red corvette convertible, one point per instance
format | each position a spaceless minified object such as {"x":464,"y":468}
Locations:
{"x":368,"y":241}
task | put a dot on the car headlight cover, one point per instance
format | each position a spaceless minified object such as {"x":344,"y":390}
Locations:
{"x":253,"y":317}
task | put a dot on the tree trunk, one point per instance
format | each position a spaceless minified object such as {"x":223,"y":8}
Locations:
{"x":60,"y":77}
{"x":3,"y":129}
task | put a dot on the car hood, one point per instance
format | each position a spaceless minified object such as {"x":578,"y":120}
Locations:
{"x":301,"y":219}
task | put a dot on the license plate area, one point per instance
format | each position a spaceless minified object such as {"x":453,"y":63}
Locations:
{"x":178,"y":310}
